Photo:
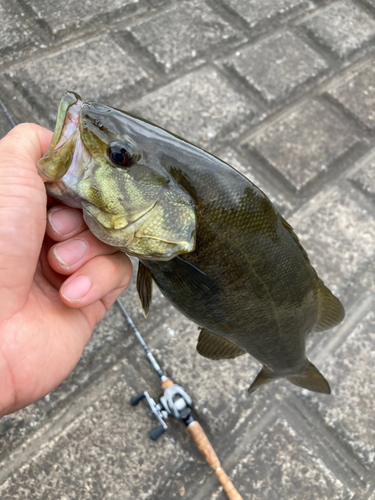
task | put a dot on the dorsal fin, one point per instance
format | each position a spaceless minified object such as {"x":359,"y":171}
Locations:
{"x":144,"y":287}
{"x":295,"y":237}
{"x":214,"y":347}
{"x":311,"y":379}
{"x":331,"y":311}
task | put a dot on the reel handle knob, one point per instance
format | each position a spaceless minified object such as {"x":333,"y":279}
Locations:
{"x":136,"y":399}
{"x":157,"y":432}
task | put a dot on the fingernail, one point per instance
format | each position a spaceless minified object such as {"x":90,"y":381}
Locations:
{"x":76,"y":288}
{"x":64,"y":220}
{"x":70,"y":252}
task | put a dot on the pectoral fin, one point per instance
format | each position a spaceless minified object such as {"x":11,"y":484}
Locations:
{"x":214,"y":347}
{"x":144,"y":287}
{"x":312,"y":380}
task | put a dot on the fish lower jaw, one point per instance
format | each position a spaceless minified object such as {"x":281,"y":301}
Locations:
{"x":70,"y":124}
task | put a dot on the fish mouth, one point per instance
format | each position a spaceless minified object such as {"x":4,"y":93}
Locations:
{"x":56,"y":161}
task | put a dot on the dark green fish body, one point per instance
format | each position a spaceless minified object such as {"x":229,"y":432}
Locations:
{"x":210,"y":239}
{"x":248,"y":279}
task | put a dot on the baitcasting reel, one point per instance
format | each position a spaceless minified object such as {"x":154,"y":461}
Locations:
{"x":174,"y":401}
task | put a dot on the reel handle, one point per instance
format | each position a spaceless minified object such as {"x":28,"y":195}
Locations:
{"x":136,"y":399}
{"x":204,"y":446}
{"x":157,"y":432}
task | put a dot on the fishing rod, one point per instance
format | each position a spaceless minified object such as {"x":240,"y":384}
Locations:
{"x":7,"y":114}
{"x":177,"y":403}
{"x":174,"y":401}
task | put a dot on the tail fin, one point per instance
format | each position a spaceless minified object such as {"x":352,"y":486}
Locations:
{"x":311,"y":379}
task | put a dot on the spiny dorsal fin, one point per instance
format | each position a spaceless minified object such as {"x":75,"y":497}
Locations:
{"x":262,"y":378}
{"x":331,"y":311}
{"x":311,"y":379}
{"x":214,"y":347}
{"x":144,"y":287}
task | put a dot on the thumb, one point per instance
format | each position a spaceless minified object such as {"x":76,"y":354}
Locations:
{"x":22,"y":213}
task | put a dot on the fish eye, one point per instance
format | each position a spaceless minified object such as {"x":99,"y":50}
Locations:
{"x":119,"y":154}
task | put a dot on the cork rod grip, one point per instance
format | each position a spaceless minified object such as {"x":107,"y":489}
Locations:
{"x":204,"y":446}
{"x":167,"y":383}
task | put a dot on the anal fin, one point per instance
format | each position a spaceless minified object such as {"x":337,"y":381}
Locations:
{"x":312,"y":380}
{"x":262,"y":378}
{"x":144,"y":287}
{"x":214,"y":347}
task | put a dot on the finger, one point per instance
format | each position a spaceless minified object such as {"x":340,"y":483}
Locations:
{"x":96,"y":311}
{"x":22,"y":212}
{"x":96,"y":279}
{"x":64,"y":222}
{"x":54,"y":279}
{"x":109,"y":299}
{"x":69,"y":256}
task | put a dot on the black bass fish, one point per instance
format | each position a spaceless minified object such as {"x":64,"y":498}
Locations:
{"x":210,"y":239}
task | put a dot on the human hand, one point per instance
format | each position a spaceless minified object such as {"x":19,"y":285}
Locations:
{"x":56,"y":279}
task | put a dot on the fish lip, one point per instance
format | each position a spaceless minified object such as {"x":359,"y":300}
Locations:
{"x":67,"y":117}
{"x":67,"y":122}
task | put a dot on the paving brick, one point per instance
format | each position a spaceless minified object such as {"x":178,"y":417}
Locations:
{"x":12,"y":34}
{"x":72,"y":14}
{"x":350,"y":370}
{"x":304,"y":144}
{"x":255,"y":12}
{"x":194,"y":29}
{"x":358,"y":95}
{"x":342,"y":26}
{"x":84,"y":68}
{"x":200,"y":107}
{"x":277,"y":65}
{"x":279,"y":464}
{"x":329,"y":230}
{"x":364,"y":179}
{"x":104,"y":452}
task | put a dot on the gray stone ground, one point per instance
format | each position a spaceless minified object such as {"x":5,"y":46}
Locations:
{"x":284,"y":90}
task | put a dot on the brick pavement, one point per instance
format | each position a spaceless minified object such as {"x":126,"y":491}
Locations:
{"x":284,"y":91}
